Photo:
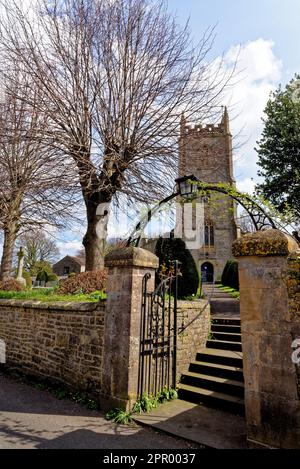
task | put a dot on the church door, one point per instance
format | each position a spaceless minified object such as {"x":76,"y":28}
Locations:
{"x":207,"y":272}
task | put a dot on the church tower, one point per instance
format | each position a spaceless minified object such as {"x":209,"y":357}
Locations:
{"x":206,"y":152}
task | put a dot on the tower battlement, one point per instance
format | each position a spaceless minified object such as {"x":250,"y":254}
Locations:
{"x":205,"y":130}
{"x":206,"y":152}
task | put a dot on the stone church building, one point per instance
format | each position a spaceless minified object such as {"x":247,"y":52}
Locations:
{"x":206,"y":152}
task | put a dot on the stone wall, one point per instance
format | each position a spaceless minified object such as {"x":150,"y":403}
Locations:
{"x":191,"y":339}
{"x":95,"y":347}
{"x":61,"y":341}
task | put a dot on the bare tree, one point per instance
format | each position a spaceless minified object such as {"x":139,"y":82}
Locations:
{"x":245,"y":223}
{"x":116,"y":75}
{"x":33,"y":189}
{"x":38,"y":247}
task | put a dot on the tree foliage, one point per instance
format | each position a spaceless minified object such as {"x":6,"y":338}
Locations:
{"x":230,"y":275}
{"x":171,"y":249}
{"x":279,"y":148}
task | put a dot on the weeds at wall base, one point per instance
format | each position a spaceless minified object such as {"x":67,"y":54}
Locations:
{"x":143,"y":405}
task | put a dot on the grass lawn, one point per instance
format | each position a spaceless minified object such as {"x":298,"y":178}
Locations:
{"x":50,"y":295}
{"x":232,"y":291}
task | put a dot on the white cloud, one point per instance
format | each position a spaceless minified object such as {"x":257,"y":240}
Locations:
{"x":69,"y":248}
{"x":246,"y":185}
{"x":258,"y":72}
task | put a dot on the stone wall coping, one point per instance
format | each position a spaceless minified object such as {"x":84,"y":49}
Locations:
{"x":195,"y":304}
{"x":294,"y":254}
{"x":131,"y":256}
{"x":58,"y":305}
{"x":264,"y":243}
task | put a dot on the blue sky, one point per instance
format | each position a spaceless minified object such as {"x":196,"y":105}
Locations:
{"x":265,"y":35}
{"x":239,"y":21}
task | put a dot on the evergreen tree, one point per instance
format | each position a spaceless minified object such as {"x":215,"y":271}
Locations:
{"x":171,"y":249}
{"x":279,"y":148}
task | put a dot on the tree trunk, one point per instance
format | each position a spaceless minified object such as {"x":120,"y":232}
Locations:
{"x":10,"y":236}
{"x":94,"y":240}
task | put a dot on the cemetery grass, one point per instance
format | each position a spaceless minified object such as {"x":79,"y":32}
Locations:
{"x":51,"y":295}
{"x":232,"y":291}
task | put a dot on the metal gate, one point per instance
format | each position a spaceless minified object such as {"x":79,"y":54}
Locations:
{"x":158,"y":336}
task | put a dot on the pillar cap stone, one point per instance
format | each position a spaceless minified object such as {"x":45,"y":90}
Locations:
{"x":131,"y":256}
{"x":264,"y":243}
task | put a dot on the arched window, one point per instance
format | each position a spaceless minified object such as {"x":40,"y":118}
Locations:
{"x":209,"y":235}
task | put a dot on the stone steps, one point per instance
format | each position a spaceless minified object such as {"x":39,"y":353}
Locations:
{"x":216,"y":369}
{"x":215,"y":383}
{"x":221,"y":357}
{"x":225,"y":305}
{"x":224,"y":345}
{"x":226,"y":336}
{"x":209,"y":397}
{"x":226,"y":321}
{"x":215,"y":378}
{"x":225,"y":328}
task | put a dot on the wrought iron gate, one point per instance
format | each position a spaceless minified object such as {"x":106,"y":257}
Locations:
{"x":158,"y":336}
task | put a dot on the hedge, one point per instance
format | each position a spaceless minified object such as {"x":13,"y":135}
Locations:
{"x":230,"y":275}
{"x":171,"y":249}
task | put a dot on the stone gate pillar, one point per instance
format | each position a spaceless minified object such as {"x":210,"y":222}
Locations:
{"x":269,"y":327}
{"x":126,"y":269}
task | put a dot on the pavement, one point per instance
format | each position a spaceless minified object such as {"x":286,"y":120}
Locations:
{"x":222,"y":305}
{"x":33,"y":418}
{"x":209,"y":427}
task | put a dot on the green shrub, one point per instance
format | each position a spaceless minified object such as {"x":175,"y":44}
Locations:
{"x":86,"y":282}
{"x":42,"y":276}
{"x":11,"y":285}
{"x":52,"y":277}
{"x":41,"y":266}
{"x":230,"y":275}
{"x":171,"y":249}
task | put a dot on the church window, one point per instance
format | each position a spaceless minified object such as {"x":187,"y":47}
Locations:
{"x":209,"y":235}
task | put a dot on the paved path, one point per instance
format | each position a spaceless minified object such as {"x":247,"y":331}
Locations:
{"x":31,"y":418}
{"x":210,"y":427}
{"x":221,"y":303}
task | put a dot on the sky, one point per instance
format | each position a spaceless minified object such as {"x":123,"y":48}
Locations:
{"x":265,"y":36}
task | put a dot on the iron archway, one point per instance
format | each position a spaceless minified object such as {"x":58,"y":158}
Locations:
{"x":259,"y":216}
